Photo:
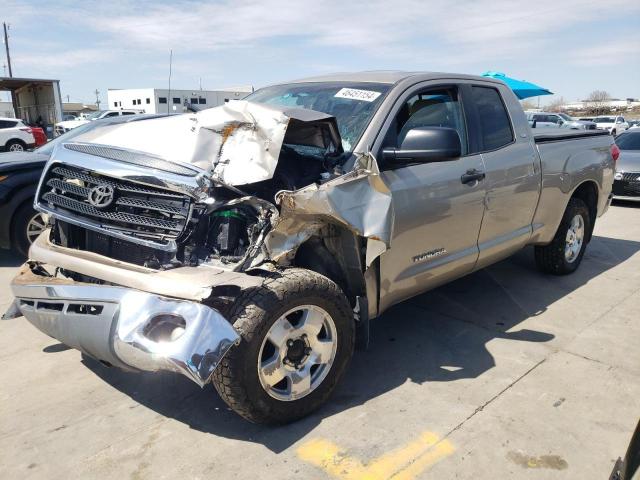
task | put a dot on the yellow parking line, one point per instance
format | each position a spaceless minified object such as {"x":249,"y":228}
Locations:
{"x":403,"y":463}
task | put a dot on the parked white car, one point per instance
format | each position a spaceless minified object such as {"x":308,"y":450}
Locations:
{"x":63,"y":127}
{"x":558,"y":120}
{"x":614,"y":124}
{"x":544,"y":119}
{"x":15,"y":136}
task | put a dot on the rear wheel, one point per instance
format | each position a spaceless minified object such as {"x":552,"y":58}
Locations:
{"x":15,"y":146}
{"x":564,"y":254}
{"x":297,"y":337}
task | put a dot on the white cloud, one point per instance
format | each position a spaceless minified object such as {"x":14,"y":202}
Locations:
{"x":606,"y":54}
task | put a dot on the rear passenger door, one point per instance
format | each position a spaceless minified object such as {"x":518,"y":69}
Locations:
{"x":512,"y":170}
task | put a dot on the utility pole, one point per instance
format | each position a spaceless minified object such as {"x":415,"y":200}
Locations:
{"x":97,"y":92}
{"x":68,"y":101}
{"x":6,"y":47}
{"x":169,"y":100}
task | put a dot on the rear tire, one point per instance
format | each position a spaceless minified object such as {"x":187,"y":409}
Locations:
{"x":15,"y":146}
{"x":564,"y":254}
{"x":247,"y":377}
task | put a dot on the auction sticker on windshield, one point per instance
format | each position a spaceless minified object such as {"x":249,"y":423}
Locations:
{"x":356,"y":94}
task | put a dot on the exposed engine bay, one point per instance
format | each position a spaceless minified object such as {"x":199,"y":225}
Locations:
{"x":145,"y":209}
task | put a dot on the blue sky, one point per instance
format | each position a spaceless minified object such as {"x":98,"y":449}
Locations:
{"x":569,"y":46}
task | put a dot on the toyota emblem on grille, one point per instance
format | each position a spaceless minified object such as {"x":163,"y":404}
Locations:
{"x":101,"y":196}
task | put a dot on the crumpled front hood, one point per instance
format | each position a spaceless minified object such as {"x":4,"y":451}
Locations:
{"x":238,"y":142}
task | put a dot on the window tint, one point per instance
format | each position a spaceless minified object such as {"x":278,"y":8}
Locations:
{"x":128,"y":113}
{"x":162,"y":99}
{"x":111,"y":114}
{"x":7,"y":124}
{"x":628,"y":141}
{"x":495,"y":127}
{"x":433,"y":108}
{"x":176,"y":100}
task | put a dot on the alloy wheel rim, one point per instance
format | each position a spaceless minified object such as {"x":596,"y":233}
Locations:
{"x":297,"y":353}
{"x":16,"y":147}
{"x":35,"y":227}
{"x":574,"y":239}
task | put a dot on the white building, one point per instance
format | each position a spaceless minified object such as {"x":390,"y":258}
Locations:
{"x":6,"y":110}
{"x":613,"y":105}
{"x":161,"y":100}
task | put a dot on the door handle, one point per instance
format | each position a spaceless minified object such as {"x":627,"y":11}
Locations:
{"x":472,"y":176}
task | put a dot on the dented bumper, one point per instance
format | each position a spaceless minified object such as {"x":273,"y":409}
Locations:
{"x":127,"y":328}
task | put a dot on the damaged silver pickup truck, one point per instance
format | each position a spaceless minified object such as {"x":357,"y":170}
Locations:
{"x":250,"y":244}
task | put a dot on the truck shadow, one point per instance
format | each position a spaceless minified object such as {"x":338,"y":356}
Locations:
{"x":440,"y":336}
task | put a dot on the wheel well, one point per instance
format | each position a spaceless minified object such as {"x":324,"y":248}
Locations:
{"x":588,"y":193}
{"x":15,"y":140}
{"x":336,"y":254}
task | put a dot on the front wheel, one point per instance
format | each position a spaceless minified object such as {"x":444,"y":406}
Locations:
{"x":297,"y":337}
{"x":564,"y":254}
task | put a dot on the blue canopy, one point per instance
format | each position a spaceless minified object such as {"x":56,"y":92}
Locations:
{"x":521,"y":88}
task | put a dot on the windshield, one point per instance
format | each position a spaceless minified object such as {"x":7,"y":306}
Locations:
{"x":628,"y":141}
{"x":95,"y":115}
{"x":353,"y":104}
{"x":604,"y":120}
{"x":565,"y":117}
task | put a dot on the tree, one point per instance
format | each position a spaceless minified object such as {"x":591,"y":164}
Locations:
{"x":597,"y":102}
{"x":527,"y":105}
{"x":556,"y":105}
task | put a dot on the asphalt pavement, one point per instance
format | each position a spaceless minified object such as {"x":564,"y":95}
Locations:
{"x":506,"y":373}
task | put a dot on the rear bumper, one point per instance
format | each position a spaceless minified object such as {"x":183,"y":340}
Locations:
{"x":126,"y":328}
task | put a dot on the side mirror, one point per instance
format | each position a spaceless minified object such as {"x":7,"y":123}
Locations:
{"x":424,"y":145}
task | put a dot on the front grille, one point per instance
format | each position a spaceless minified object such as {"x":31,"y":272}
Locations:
{"x":73,"y":236}
{"x":631,"y":177}
{"x":134,"y":210}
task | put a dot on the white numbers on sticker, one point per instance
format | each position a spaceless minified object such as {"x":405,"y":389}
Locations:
{"x":356,"y":94}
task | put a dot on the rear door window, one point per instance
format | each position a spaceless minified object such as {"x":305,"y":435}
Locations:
{"x":495,"y":126}
{"x":7,"y":124}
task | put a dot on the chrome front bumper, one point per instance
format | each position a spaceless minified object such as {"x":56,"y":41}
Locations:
{"x":124,"y":327}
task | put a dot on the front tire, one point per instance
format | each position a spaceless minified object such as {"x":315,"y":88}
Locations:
{"x":297,"y":337}
{"x":564,"y":254}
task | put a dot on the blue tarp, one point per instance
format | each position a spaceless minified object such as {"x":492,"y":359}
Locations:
{"x":521,"y":88}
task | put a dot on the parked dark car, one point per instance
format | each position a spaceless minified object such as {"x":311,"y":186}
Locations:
{"x":20,"y":172}
{"x":626,"y":184}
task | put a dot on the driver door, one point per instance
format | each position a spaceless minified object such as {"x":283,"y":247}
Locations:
{"x":437,"y":216}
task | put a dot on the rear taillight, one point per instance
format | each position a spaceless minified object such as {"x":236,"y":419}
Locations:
{"x":28,"y":130}
{"x":615,"y":152}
